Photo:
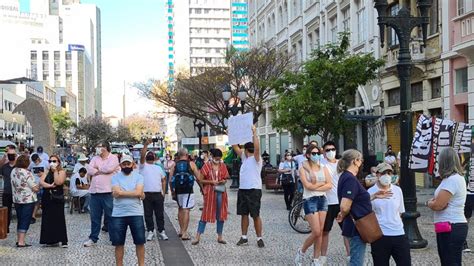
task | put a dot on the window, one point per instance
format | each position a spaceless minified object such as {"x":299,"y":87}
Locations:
{"x":45,"y":76}
{"x":33,"y":55}
{"x":434,"y":17}
{"x":394,"y":97}
{"x":310,"y":43}
{"x":461,"y":7}
{"x":346,"y":19}
{"x":68,"y":55}
{"x":45,"y":55}
{"x":361,"y":23}
{"x":334,"y":30}
{"x":435,"y":88}
{"x":461,"y":80}
{"x":56,"y":55}
{"x":316,"y":37}
{"x":197,"y":11}
{"x":392,"y":36}
{"x":417,"y":92}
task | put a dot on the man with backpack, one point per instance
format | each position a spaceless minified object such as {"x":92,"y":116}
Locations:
{"x":183,"y":175}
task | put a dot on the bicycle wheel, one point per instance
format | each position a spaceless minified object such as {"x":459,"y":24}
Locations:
{"x":297,"y":220}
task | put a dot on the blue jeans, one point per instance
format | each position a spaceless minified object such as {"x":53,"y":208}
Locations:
{"x":23,"y":213}
{"x":220,"y":224}
{"x":118,"y":230}
{"x":357,"y":248}
{"x":87,"y":201}
{"x":100,"y":203}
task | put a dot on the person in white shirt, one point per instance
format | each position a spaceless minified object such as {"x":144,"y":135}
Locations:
{"x":154,"y":181}
{"x":249,"y":195}
{"x":37,"y":167}
{"x":81,"y":162}
{"x":300,"y":158}
{"x":387,"y":203}
{"x":287,"y":169}
{"x":79,"y":187}
{"x":448,"y":206}
{"x":43,"y":155}
{"x":330,"y":161}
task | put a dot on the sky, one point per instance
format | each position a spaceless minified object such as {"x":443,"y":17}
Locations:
{"x":134,"y":49}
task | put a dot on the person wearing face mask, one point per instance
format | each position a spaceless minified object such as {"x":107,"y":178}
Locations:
{"x":330,"y":162}
{"x":127,"y":187}
{"x":287,"y":170}
{"x":101,"y":169}
{"x":354,"y":203}
{"x":154,"y":187}
{"x":387,"y":203}
{"x":213,"y":177}
{"x":316,"y":181}
{"x":168,"y":164}
{"x":5,"y":172}
{"x":53,"y":221}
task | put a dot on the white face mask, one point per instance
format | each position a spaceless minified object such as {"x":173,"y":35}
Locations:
{"x":202,"y":156}
{"x":98,"y":151}
{"x":385,"y":180}
{"x":304,"y":151}
{"x":331,"y":155}
{"x":53,"y":165}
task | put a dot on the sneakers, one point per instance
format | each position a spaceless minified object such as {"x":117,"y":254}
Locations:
{"x":243,"y":241}
{"x":299,"y":257}
{"x":162,"y":235}
{"x":323,"y":260}
{"x":316,"y":262}
{"x":89,"y":243}
{"x":64,"y":245}
{"x":465,"y":248}
{"x":260,"y":243}
{"x":150,"y":236}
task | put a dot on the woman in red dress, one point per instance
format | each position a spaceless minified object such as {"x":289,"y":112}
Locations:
{"x":213,"y":178}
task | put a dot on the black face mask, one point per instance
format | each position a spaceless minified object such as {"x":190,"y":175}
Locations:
{"x":11,"y":157}
{"x":127,"y":170}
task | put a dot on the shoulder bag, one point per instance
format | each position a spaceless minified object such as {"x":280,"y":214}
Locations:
{"x":368,"y":228}
{"x":217,"y":188}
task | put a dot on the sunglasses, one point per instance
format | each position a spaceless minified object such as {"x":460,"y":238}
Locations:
{"x":332,"y":149}
{"x":52,"y":161}
{"x":315,"y":153}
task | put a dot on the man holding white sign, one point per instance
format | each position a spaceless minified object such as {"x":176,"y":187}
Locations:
{"x":250,"y":190}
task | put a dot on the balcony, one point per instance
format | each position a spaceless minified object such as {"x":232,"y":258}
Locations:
{"x":311,"y":13}
{"x":416,"y":51}
{"x":463,"y":33}
{"x":282,"y":36}
{"x":295,"y":26}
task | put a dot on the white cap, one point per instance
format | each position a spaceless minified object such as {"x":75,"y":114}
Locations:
{"x":126,"y":158}
{"x":82,"y":158}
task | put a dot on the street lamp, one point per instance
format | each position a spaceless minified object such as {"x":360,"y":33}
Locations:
{"x":199,"y":125}
{"x":234,"y":110}
{"x":403,"y":24}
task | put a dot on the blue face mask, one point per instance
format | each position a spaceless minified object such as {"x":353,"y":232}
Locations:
{"x":315,"y":158}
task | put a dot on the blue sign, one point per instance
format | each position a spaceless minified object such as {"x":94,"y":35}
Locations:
{"x":76,"y":47}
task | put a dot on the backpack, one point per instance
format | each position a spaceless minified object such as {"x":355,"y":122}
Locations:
{"x":183,"y":179}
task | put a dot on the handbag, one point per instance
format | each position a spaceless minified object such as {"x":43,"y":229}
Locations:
{"x":218,"y":188}
{"x":368,"y":228}
{"x":442,"y":227}
{"x":57,"y":195}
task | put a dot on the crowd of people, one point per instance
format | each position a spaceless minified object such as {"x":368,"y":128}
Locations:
{"x":120,"y":192}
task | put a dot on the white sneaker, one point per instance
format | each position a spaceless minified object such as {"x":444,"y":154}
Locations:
{"x":323,"y":260}
{"x":89,"y":243}
{"x":316,"y":262}
{"x":162,"y":235}
{"x":150,"y":236}
{"x":299,"y":258}
{"x":348,"y":258}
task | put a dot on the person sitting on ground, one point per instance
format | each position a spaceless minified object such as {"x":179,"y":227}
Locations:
{"x":79,"y":187}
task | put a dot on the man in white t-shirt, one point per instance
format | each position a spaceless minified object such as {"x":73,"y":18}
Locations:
{"x":154,"y":185}
{"x":79,"y":187}
{"x":330,"y":162}
{"x":250,"y":190}
{"x":81,"y":162}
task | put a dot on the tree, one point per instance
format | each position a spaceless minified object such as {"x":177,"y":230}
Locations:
{"x":200,"y":96}
{"x":92,"y":130}
{"x":313,"y":101}
{"x":123,"y":134}
{"x":62,"y":125}
{"x":140,"y":126}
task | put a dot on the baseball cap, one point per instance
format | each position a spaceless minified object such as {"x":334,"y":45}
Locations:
{"x":382,"y":167}
{"x":82,"y":158}
{"x":126,"y":158}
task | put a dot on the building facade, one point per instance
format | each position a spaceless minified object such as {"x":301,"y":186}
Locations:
{"x":240,"y":28}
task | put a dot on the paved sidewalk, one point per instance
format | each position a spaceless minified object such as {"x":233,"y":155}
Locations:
{"x":282,"y":242}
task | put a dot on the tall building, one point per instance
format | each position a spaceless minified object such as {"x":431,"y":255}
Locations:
{"x":171,"y":60}
{"x":209,"y":33}
{"x":240,"y":28}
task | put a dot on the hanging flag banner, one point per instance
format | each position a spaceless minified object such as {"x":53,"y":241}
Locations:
{"x":421,"y":145}
{"x":462,"y":138}
{"x":442,"y":138}
{"x":470,"y":183}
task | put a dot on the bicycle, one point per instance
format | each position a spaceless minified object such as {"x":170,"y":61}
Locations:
{"x":296,"y":216}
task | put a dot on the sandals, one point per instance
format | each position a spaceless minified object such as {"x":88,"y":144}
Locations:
{"x":186,"y":238}
{"x":221,"y":242}
{"x":195,"y":242}
{"x":22,"y":246}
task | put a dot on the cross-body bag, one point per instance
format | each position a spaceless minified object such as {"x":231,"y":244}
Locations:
{"x":368,"y":228}
{"x":442,"y":227}
{"x":218,"y":188}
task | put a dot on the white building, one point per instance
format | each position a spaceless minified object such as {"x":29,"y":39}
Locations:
{"x":297,"y":27}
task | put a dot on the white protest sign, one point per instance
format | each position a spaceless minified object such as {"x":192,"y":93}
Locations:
{"x":240,"y":129}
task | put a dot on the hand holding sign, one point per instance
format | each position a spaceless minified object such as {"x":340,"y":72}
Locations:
{"x":240,"y":129}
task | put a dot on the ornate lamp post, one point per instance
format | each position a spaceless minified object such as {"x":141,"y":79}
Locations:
{"x":199,"y":125}
{"x":403,"y":24}
{"x":234,"y":110}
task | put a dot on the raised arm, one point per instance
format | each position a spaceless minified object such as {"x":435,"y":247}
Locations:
{"x":237,"y":150}
{"x":256,"y":144}
{"x":144,"y":150}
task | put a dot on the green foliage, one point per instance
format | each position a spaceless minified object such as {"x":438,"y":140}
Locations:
{"x":123,"y":134}
{"x":314,"y":100}
{"x":62,"y":124}
{"x":92,"y":130}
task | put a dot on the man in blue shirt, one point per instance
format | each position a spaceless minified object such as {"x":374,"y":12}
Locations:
{"x":127,"y":190}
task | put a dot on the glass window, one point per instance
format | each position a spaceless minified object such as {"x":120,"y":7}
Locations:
{"x":417,"y":92}
{"x":45,"y":55}
{"x":361,"y":23}
{"x":56,"y":55}
{"x":33,"y":55}
{"x":334,"y":30}
{"x":435,"y":88}
{"x":392,"y":36}
{"x":394,"y":97}
{"x":461,"y":7}
{"x":434,"y":17}
{"x":461,"y":80}
{"x":68,"y":55}
{"x":346,"y":19}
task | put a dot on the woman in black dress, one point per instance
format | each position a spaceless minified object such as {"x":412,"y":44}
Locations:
{"x":53,"y":222}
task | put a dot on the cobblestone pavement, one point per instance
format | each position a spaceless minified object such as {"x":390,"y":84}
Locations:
{"x":78,"y":229}
{"x":282,"y":242}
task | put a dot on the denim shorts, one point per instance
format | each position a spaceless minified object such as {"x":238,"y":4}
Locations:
{"x":315,"y":204}
{"x":118,"y":230}
{"x":24,"y":212}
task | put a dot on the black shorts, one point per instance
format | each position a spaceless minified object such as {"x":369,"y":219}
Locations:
{"x":469,"y":206}
{"x":331,"y":215}
{"x":248,"y":202}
